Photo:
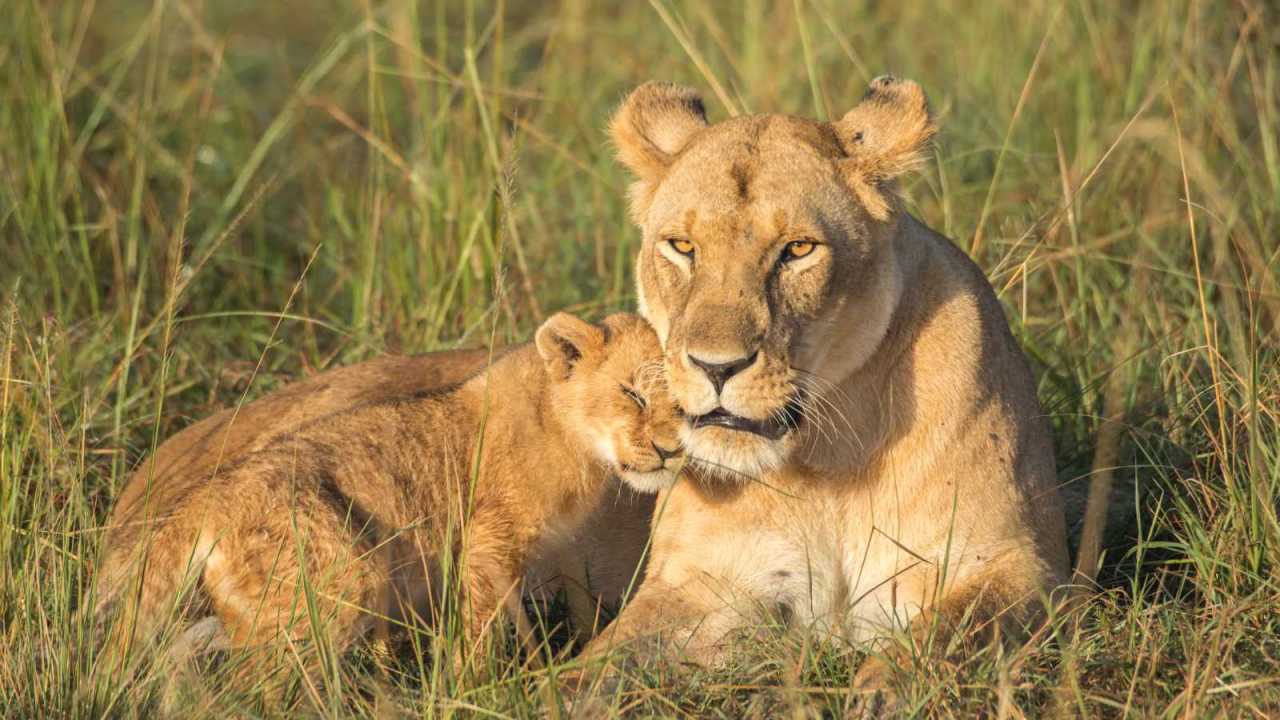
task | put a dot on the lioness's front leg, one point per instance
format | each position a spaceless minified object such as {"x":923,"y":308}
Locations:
{"x":660,"y":621}
{"x":689,"y":622}
{"x":986,"y":610}
{"x":656,"y":611}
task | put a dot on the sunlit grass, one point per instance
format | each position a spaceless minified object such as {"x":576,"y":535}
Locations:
{"x":195,"y":193}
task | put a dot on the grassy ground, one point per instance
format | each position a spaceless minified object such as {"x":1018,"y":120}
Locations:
{"x":190,"y":186}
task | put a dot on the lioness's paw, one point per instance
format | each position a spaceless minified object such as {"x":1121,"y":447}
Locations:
{"x":588,"y":695}
{"x":874,"y":685}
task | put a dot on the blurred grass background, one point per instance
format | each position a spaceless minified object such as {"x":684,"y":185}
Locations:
{"x":190,"y":186}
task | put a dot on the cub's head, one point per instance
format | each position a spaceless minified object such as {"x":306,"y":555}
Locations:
{"x":608,"y":384}
{"x":768,"y":265}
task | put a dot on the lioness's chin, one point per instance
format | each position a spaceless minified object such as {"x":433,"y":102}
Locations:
{"x":736,"y":454}
{"x":648,"y":482}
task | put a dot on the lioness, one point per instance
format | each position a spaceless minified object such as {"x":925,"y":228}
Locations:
{"x":370,"y":505}
{"x":870,"y":452}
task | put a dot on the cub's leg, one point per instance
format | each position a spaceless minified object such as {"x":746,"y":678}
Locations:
{"x":491,"y":569}
{"x":143,"y":585}
{"x":585,"y":607}
{"x":492,"y":566}
{"x":298,"y":566}
{"x":524,"y":628}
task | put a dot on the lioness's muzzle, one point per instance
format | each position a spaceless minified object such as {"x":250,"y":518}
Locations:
{"x":772,"y":428}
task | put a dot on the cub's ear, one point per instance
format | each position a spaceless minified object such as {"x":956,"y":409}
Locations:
{"x":564,"y":340}
{"x":884,"y":136}
{"x":653,"y":125}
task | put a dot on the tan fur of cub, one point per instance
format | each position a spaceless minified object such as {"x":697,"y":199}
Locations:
{"x":369,"y":508}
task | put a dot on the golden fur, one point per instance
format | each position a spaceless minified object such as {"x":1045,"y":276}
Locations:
{"x":191,"y":456}
{"x":601,"y":564}
{"x":869,"y":448}
{"x":372,"y":505}
{"x":594,"y":567}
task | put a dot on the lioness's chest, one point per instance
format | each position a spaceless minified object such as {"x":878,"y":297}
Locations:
{"x":849,"y":564}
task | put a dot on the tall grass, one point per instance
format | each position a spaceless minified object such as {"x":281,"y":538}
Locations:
{"x":194,"y":193}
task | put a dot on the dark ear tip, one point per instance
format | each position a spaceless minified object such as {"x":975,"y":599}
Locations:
{"x":566,"y":338}
{"x":667,"y":94}
{"x":879,"y":85}
{"x":889,"y":89}
{"x":570,"y":351}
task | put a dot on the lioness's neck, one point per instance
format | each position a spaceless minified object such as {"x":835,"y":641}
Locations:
{"x":873,"y":379}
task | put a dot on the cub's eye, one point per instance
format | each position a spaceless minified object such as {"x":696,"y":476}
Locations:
{"x":682,"y":246}
{"x":797,"y":249}
{"x":635,"y":396}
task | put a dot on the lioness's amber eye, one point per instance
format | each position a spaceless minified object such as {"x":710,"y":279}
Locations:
{"x":798,"y":249}
{"x":682,"y":246}
{"x":635,"y":396}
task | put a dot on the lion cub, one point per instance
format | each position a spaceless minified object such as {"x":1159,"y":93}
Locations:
{"x":372,"y":512}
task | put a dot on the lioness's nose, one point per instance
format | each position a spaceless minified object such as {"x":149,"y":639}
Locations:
{"x":719,"y":373}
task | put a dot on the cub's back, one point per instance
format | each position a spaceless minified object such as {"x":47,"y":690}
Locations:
{"x":399,"y":461}
{"x":189,"y":457}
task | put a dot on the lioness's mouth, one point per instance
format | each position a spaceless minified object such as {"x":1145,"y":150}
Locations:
{"x":772,"y":428}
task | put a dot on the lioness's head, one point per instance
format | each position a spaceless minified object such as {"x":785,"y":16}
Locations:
{"x":608,"y":386}
{"x":767,"y":265}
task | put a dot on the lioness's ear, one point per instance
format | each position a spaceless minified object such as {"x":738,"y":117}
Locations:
{"x":885,"y":136}
{"x":653,"y":125}
{"x":564,"y":340}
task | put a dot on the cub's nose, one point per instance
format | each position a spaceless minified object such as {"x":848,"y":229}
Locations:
{"x":665,"y":454}
{"x":719,"y":373}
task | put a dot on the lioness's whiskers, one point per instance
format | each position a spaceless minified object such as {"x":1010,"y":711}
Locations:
{"x":819,"y":388}
{"x":820,"y":417}
{"x":818,"y":396}
{"x":826,"y":425}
